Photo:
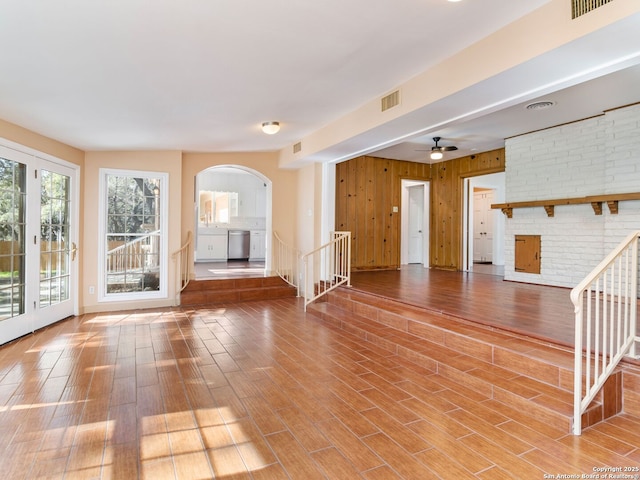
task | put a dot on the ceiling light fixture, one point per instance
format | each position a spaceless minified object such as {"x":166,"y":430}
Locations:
{"x":270,"y":128}
{"x":436,"y":155}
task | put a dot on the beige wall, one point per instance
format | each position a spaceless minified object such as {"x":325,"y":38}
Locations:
{"x":165,"y":162}
{"x":59,"y":150}
{"x":284,"y":187}
{"x":182,"y":169}
{"x":41,"y":143}
{"x":307,"y":188}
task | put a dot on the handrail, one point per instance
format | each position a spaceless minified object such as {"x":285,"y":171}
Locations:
{"x":286,"y":262}
{"x":327,"y":267}
{"x":610,"y":295}
{"x":183,"y":268}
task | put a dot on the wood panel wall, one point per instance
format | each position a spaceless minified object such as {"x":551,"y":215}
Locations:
{"x":447,"y":194}
{"x":367,"y":189}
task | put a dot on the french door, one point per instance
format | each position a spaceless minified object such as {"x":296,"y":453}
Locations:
{"x":37,"y":243}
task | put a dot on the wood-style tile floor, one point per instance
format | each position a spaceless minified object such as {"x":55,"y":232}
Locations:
{"x":535,"y":310}
{"x":261,"y":390}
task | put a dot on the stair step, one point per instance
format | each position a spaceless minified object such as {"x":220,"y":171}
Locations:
{"x":524,"y":373}
{"x":234,"y":290}
{"x":631,"y":383}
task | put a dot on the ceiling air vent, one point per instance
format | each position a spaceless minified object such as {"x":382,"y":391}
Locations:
{"x":540,"y":105}
{"x":390,"y":101}
{"x":297,"y":147}
{"x":580,"y":7}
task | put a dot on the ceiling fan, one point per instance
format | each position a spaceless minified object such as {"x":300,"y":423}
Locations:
{"x":437,"y":151}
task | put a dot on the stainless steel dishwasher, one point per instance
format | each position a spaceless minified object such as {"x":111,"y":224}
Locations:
{"x":239,"y":245}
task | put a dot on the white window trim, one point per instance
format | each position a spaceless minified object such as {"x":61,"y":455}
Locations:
{"x":164,"y":237}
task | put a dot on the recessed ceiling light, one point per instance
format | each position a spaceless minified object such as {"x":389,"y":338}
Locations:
{"x":540,"y":105}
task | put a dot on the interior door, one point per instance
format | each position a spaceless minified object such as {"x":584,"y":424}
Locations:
{"x":37,"y":244}
{"x":416,"y":215}
{"x":483,"y":226}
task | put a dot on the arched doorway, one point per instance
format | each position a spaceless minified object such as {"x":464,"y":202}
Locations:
{"x":233,"y":222}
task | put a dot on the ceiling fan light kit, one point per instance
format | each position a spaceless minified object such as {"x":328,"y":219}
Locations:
{"x":437,"y":152}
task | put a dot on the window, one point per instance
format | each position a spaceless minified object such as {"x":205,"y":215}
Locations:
{"x":134,"y":238}
{"x":217,"y":207}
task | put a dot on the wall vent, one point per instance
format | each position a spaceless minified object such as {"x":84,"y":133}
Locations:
{"x":297,"y":147}
{"x":390,"y":100}
{"x":580,"y":7}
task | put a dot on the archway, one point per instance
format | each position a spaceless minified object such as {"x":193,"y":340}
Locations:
{"x":232,"y":218}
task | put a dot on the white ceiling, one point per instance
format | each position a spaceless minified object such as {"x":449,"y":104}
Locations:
{"x":201,"y":75}
{"x":488,"y":132}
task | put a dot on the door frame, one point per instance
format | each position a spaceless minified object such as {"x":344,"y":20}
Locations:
{"x":404,"y":221}
{"x":37,"y":160}
{"x":59,"y":310}
{"x":495,"y":182}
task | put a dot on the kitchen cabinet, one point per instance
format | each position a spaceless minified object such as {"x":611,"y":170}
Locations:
{"x":258,"y":245}
{"x":212,"y":246}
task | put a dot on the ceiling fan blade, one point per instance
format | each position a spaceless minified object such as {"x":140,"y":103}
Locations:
{"x":449,"y":148}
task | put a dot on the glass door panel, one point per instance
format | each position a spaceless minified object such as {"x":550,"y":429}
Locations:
{"x":55,"y":247}
{"x":12,"y":238}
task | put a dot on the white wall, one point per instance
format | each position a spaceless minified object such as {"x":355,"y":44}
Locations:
{"x":592,"y":157}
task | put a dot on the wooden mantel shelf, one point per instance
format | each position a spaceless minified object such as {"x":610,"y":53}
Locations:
{"x":596,"y":202}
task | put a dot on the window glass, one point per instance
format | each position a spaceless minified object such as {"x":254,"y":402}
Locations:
{"x":133,"y":227}
{"x":12,"y":238}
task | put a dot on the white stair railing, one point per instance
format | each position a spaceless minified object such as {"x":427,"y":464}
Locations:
{"x":183,"y":263}
{"x":286,"y":262}
{"x":605,"y":305}
{"x":327,"y":267}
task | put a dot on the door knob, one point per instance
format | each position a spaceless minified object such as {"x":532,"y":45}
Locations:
{"x":74,"y":250}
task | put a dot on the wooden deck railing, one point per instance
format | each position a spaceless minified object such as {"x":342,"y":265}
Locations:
{"x":139,"y":254}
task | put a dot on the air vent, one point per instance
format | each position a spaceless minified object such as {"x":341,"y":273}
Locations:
{"x":540,"y":105}
{"x":580,"y":7}
{"x":297,"y":147}
{"x":390,"y":101}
